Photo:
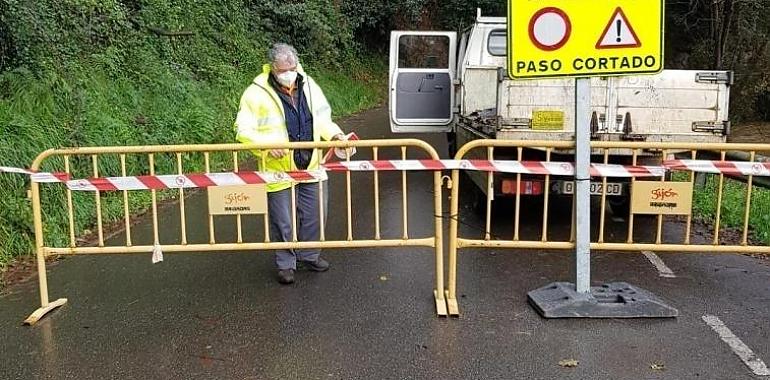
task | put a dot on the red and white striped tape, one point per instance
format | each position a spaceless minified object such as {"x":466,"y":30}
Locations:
{"x":760,"y":169}
{"x":514,"y":167}
{"x":37,"y":176}
{"x":173,"y":181}
{"x":159,"y":182}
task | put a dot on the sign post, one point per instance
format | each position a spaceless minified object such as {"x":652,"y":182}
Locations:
{"x":582,"y":185}
{"x":580,"y":39}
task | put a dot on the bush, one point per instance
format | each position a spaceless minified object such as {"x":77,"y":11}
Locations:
{"x":691,"y":44}
{"x":143,"y":72}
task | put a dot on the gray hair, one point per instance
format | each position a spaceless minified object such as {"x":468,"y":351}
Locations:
{"x":281,"y":52}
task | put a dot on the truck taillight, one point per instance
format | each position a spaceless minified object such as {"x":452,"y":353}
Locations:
{"x":526,"y":187}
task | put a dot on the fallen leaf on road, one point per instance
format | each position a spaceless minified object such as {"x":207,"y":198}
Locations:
{"x":568,"y":363}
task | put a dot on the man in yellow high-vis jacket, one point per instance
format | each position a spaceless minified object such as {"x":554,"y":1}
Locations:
{"x":284,"y":104}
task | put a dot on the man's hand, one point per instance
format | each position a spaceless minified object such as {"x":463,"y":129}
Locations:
{"x":343,"y":153}
{"x":277,"y":153}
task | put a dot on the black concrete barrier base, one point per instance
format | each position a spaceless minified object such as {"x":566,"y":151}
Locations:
{"x":612,"y":300}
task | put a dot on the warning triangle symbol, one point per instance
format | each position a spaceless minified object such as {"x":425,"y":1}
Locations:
{"x":618,"y":33}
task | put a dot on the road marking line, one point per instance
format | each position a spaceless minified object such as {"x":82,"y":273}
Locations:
{"x":739,"y":348}
{"x":663,"y":269}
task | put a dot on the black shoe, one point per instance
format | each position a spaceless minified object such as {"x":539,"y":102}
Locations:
{"x":319,"y":265}
{"x":286,"y":276}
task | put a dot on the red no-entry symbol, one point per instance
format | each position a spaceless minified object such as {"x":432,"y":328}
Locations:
{"x":549,"y":28}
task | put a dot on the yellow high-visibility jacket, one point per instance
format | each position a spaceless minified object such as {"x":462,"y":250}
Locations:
{"x":261,"y":120}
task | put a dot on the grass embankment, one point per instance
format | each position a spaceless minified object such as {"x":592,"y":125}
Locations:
{"x":734,"y":207}
{"x":88,"y":108}
{"x":86,"y":73}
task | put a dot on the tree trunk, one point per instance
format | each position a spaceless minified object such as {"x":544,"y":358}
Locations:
{"x":716,"y":32}
{"x":727,"y":18}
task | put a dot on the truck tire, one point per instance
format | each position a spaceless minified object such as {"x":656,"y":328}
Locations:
{"x":620,"y":206}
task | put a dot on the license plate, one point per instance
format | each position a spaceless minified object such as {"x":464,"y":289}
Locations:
{"x":596,"y":188}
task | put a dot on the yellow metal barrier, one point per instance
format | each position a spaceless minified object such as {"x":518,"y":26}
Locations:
{"x":646,"y":153}
{"x":73,"y":160}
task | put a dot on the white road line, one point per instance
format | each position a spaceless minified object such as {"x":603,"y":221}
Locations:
{"x":663,"y":269}
{"x":742,"y":350}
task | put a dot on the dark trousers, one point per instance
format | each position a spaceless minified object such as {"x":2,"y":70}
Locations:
{"x":308,"y":222}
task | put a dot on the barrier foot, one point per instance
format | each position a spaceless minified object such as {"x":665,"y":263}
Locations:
{"x":452,"y":306}
{"x":41,"y":312}
{"x":440,"y":304}
{"x":612,"y":300}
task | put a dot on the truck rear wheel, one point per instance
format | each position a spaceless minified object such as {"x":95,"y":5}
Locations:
{"x":620,"y":206}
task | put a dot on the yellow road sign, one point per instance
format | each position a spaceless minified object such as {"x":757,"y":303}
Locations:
{"x":579,"y":38}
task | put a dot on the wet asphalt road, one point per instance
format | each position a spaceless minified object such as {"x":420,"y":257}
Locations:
{"x":223,"y":316}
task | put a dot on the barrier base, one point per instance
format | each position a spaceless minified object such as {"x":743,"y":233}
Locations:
{"x":452,"y":307}
{"x":440,"y":304}
{"x":41,"y":312}
{"x":612,"y":300}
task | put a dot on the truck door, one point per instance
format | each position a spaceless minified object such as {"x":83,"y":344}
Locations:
{"x":422,"y":71}
{"x":673,"y":105}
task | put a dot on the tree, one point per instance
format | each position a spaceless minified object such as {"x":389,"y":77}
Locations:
{"x":724,"y":34}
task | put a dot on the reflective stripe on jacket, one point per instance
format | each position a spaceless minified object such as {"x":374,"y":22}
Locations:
{"x":261,"y":120}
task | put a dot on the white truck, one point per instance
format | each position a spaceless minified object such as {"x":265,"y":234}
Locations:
{"x":461,"y":88}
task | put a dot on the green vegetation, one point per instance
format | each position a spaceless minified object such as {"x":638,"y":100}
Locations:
{"x":725,"y":35}
{"x":140,"y":72}
{"x":734,"y":207}
{"x":732,"y":214}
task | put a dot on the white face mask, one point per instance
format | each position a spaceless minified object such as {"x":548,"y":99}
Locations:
{"x":286,"y":78}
